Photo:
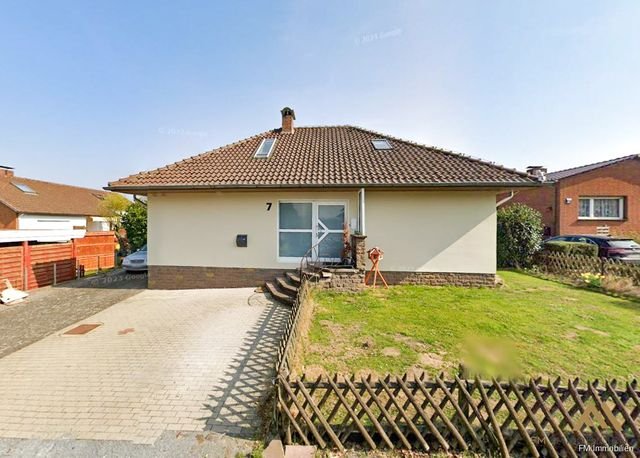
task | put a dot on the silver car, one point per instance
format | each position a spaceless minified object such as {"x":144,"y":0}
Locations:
{"x":136,"y":262}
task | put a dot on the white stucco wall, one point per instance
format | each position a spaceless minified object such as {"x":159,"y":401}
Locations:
{"x":199,"y":229}
{"x":432,"y":231}
{"x":437,"y":231}
{"x":31,"y":221}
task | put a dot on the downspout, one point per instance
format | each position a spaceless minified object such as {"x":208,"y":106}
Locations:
{"x":361,"y":214}
{"x":511,"y":195}
{"x":137,"y":199}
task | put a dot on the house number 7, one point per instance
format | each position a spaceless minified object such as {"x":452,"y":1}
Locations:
{"x":269,"y":206}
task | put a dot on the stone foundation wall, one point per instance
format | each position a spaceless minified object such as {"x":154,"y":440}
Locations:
{"x":359,"y":251}
{"x":439,"y":279}
{"x":347,"y":280}
{"x":192,"y":277}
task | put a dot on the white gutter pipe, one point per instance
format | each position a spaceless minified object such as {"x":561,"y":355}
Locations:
{"x":511,"y":195}
{"x":361,"y":204}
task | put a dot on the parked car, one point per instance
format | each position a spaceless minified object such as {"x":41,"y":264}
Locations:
{"x":624,"y":249}
{"x":136,"y":262}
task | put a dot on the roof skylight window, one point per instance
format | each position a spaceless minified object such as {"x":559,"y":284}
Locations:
{"x":265,"y":148}
{"x":381,"y":144}
{"x":24,"y":188}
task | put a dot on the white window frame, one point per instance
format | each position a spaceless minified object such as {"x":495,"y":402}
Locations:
{"x":592,"y":206}
{"x":314,"y":225}
{"x":264,"y":156}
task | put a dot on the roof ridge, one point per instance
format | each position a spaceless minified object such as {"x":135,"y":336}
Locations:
{"x":607,"y":161}
{"x":195,"y":156}
{"x":57,"y":184}
{"x":445,"y":151}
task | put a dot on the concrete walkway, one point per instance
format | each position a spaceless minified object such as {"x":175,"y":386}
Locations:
{"x":196,"y":360}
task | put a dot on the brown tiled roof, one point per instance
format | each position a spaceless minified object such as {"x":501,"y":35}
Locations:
{"x":324,"y":156}
{"x":49,"y":198}
{"x":559,"y":175}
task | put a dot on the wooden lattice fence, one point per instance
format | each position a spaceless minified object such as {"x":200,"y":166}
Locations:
{"x":575,"y":265}
{"x":460,"y":415}
{"x":291,"y":337}
{"x":456,"y":415}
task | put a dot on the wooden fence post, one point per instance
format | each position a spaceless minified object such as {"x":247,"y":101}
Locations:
{"x":26,"y":264}
{"x":462,"y":402}
{"x":55,"y":274}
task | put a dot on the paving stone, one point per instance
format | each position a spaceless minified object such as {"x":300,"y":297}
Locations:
{"x":300,"y":451}
{"x":49,"y":309}
{"x":198,"y":360}
{"x":274,"y":450}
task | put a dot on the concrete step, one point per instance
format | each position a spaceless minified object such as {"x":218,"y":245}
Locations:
{"x":293,"y":278}
{"x":277,"y":295}
{"x":286,"y":287}
{"x":311,"y":275}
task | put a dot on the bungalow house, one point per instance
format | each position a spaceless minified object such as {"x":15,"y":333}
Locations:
{"x":26,"y":203}
{"x":597,"y":198}
{"x":241,"y":214}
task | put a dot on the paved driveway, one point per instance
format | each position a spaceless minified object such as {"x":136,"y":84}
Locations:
{"x":49,"y":309}
{"x":196,"y":360}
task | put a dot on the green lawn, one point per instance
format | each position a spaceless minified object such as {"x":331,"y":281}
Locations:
{"x":527,"y":327}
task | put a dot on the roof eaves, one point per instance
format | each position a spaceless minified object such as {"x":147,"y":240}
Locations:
{"x":7,"y":204}
{"x":479,"y":184}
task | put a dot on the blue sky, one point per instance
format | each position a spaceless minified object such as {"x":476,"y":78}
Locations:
{"x":92,"y":91}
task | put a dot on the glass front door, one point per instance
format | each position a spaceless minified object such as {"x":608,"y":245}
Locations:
{"x":303,"y":225}
{"x":330,"y":220}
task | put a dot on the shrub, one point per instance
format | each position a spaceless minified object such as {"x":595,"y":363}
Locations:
{"x":519,"y":235}
{"x":581,"y":249}
{"x":592,"y":280}
{"x":620,"y":285}
{"x":134,"y":222}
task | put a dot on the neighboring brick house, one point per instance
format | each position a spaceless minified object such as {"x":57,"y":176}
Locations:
{"x":34,"y":204}
{"x":242,"y":213}
{"x":595,"y":198}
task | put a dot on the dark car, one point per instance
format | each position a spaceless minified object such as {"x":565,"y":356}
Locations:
{"x":624,"y":249}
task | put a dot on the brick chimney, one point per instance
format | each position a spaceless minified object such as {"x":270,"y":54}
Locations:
{"x":6,"y":172}
{"x":288,"y":116}
{"x":537,"y":171}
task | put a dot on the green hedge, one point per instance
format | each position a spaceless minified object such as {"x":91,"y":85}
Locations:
{"x":519,"y":235}
{"x":577,"y":248}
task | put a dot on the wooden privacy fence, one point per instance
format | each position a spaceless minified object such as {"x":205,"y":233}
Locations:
{"x":32,"y":266}
{"x":96,"y":251}
{"x":575,"y":265}
{"x":453,"y":416}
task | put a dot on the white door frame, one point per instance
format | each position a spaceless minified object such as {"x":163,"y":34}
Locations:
{"x":315,"y":203}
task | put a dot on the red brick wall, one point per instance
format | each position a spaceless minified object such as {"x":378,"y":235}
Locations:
{"x":8,"y":218}
{"x":618,"y":180}
{"x":541,"y":199}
